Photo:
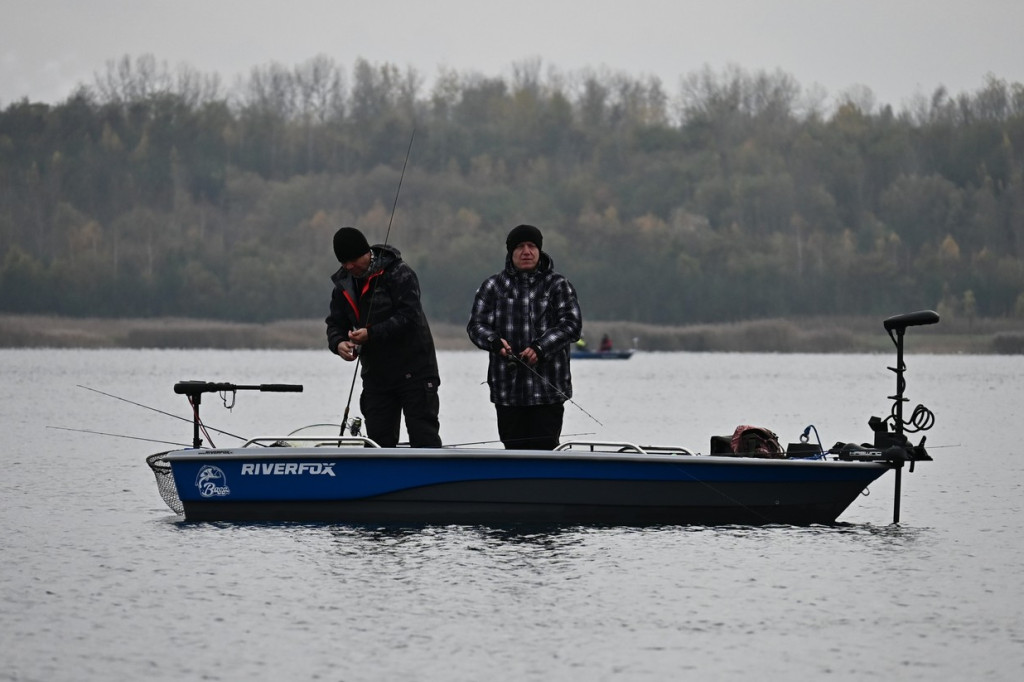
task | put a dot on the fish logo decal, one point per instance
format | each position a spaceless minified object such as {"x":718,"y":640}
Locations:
{"x":212,"y":482}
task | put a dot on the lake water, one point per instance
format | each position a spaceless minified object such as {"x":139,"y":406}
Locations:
{"x":100,"y":581}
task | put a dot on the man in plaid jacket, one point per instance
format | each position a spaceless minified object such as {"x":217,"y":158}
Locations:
{"x":527,"y":316}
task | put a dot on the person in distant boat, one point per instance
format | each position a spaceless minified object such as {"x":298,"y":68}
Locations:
{"x":606,"y":343}
{"x":376,"y":315}
{"x":527,"y":316}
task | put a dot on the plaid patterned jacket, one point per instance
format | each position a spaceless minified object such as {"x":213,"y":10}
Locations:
{"x":535,"y":309}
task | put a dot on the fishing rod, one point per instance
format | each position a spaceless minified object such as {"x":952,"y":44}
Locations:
{"x":401,"y":177}
{"x":387,"y":235}
{"x":525,"y":364}
{"x":168,"y":414}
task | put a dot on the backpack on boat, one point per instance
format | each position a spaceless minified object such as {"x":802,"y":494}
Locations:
{"x":755,"y":441}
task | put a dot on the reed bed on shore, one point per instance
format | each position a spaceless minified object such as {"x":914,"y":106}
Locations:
{"x":812,"y":335}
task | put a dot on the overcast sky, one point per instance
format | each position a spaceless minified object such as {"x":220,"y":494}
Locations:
{"x":897,"y":48}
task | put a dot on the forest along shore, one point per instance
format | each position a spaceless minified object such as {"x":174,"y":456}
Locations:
{"x":811,"y":335}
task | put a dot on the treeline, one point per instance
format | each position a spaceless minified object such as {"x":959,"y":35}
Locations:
{"x":159,"y":192}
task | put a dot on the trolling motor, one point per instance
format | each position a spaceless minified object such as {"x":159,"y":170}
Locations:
{"x":922,"y":418}
{"x":195,"y":390}
{"x":892,"y":446}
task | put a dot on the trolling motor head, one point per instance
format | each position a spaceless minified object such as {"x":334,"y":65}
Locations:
{"x":194,"y":390}
{"x":900,"y":323}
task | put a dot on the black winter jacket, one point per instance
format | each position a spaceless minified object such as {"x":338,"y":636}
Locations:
{"x":387,"y":302}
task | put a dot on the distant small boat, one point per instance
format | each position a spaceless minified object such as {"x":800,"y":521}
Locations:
{"x":587,"y":354}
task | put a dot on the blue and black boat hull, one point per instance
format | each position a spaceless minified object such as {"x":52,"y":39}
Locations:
{"x":389,"y":486}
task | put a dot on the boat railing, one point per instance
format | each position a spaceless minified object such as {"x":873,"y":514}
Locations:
{"x":622,"y":446}
{"x":315,"y":441}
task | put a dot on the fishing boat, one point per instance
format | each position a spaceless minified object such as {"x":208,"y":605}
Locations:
{"x":312,"y":476}
{"x":587,"y":354}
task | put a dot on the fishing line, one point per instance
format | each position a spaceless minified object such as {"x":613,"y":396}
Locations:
{"x":488,"y":442}
{"x":556,"y":389}
{"x":715,"y":489}
{"x":387,"y":235}
{"x":199,"y":422}
{"x":119,"y":435}
{"x":168,"y":414}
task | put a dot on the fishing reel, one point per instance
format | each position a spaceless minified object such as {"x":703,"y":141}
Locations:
{"x":354,"y":426}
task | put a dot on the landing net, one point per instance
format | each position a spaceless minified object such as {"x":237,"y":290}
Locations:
{"x":165,"y":481}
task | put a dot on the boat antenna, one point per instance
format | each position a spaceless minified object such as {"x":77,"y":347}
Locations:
{"x":387,"y":235}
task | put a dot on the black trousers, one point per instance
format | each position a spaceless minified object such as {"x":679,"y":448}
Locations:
{"x":536,"y":427}
{"x":383,"y":409}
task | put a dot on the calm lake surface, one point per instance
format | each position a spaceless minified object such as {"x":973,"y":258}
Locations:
{"x":100,"y":581}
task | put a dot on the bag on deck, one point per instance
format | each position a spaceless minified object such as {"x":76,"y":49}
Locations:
{"x":754,"y":441}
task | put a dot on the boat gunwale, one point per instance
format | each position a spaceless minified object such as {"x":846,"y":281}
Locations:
{"x":277,"y":453}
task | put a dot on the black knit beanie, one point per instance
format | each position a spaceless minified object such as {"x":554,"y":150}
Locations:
{"x":524,"y":233}
{"x":349,"y":244}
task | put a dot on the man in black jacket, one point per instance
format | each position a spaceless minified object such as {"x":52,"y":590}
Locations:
{"x":376,"y":315}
